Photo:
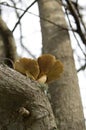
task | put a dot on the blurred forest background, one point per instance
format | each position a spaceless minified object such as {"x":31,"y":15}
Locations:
{"x":23,"y":19}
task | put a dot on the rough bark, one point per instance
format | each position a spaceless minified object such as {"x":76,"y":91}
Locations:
{"x":16,"y":92}
{"x":65,"y":94}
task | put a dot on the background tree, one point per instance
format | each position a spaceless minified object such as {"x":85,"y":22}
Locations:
{"x":65,"y":96}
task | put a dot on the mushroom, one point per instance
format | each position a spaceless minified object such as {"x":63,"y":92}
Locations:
{"x":28,"y":67}
{"x":55,"y":71}
{"x":45,"y":69}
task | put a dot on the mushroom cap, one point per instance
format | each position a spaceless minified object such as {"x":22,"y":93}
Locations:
{"x":55,"y":71}
{"x":46,"y":61}
{"x":45,"y":69}
{"x":27,"y":67}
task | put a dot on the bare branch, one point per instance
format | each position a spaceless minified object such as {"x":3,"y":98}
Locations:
{"x":23,"y":15}
{"x":47,"y":20}
{"x":9,"y":43}
{"x":28,"y":51}
{"x":82,"y":68}
{"x":74,"y":14}
{"x":74,"y":33}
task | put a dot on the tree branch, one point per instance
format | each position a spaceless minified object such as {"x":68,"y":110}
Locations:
{"x":18,"y":91}
{"x":74,"y":14}
{"x":23,"y":15}
{"x":8,"y":43}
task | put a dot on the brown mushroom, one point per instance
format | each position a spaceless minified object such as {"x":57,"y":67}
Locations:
{"x":27,"y":67}
{"x":55,"y":71}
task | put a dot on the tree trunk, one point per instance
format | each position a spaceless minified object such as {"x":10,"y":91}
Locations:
{"x":65,"y":94}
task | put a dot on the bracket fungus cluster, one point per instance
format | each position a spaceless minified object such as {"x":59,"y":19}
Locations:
{"x":45,"y":69}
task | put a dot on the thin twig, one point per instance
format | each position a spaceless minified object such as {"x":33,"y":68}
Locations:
{"x":28,"y":52}
{"x":82,"y":68}
{"x":74,"y":14}
{"x":74,"y":33}
{"x":23,"y":15}
{"x":42,"y":18}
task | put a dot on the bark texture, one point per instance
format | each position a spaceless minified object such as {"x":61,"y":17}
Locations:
{"x":16,"y":92}
{"x":65,"y":94}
